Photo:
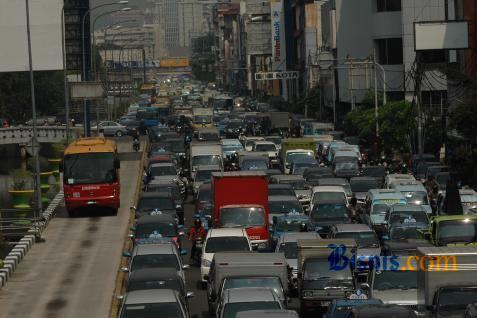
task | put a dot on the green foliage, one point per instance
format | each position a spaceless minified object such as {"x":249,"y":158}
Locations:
{"x":396,"y":124}
{"x":4,"y":249}
{"x":58,"y":150}
{"x":21,"y":178}
{"x":464,"y":119}
{"x":368,"y":100}
{"x":15,"y":101}
{"x":465,"y":164}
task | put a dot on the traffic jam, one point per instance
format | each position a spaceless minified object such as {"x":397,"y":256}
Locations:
{"x":284,"y":216}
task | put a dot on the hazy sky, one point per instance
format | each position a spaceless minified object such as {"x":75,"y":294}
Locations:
{"x":107,"y":19}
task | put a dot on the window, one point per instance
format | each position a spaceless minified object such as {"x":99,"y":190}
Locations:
{"x":388,"y":5}
{"x":433,"y":56}
{"x":389,"y":51}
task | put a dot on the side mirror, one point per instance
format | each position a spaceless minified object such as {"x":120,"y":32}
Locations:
{"x":120,"y":297}
{"x":183,"y":252}
{"x":190,"y":294}
{"x":124,"y":269}
{"x":132,"y":208}
{"x":364,"y":286}
{"x":186,"y":266}
{"x":127,"y":254}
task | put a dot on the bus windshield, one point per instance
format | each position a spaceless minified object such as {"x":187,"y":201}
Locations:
{"x":88,"y":168}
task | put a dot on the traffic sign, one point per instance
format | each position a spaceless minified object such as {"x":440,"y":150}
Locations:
{"x":268,"y":76}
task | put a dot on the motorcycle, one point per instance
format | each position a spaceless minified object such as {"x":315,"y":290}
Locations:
{"x":199,"y":243}
{"x":136,"y":144}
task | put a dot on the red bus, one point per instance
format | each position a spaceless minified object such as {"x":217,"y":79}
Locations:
{"x":90,"y":169}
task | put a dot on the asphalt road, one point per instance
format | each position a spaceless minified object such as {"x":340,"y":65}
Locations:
{"x":72,"y":274}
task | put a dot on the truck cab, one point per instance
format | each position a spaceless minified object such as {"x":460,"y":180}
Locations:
{"x":452,"y":230}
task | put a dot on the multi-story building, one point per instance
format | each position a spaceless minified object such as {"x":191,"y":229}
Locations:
{"x":357,"y":30}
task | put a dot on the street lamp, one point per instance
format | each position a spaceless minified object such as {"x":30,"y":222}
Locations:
{"x":83,"y":76}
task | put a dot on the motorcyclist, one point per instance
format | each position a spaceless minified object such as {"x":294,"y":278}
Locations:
{"x":303,"y":227}
{"x":197,"y":232}
{"x":135,"y":136}
{"x":353,"y":208}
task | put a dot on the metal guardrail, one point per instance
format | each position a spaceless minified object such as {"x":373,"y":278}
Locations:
{"x":16,"y":223}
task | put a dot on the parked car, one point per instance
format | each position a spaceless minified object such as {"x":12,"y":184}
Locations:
{"x":111,"y":128}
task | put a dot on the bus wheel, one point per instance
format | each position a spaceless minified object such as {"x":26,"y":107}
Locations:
{"x":119,"y":133}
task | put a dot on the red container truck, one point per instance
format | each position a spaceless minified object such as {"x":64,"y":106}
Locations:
{"x":241,"y":200}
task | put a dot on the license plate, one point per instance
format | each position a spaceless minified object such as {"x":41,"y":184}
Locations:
{"x":325,"y":303}
{"x":91,"y":202}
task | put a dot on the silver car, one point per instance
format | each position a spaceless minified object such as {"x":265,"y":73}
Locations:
{"x":111,"y":128}
{"x":154,"y":303}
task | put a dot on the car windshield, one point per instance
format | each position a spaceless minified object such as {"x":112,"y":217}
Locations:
{"x":155,"y":203}
{"x":346,"y":165}
{"x":403,"y":233}
{"x":456,"y":298}
{"x":155,"y":284}
{"x":290,"y":225}
{"x":202,"y":119}
{"x":363,"y":185}
{"x":285,"y":207}
{"x":169,"y":310}
{"x":244,"y":282}
{"x":278,"y":191}
{"x":154,"y":261}
{"x":299,"y":156}
{"x":316,"y":269}
{"x":363,"y":239}
{"x":416,"y":197}
{"x":324,"y":212}
{"x":254,"y":164}
{"x":338,"y":197}
{"x":226,"y":244}
{"x":241,"y":217}
{"x":379,"y":209}
{"x":206,"y":160}
{"x":464,"y":231}
{"x":296,"y":184}
{"x":265,"y":147}
{"x":173,"y":191}
{"x":231,"y":309}
{"x":89,"y":168}
{"x":290,"y":249}
{"x":152,"y":230}
{"x":384,"y":280}
{"x":163,"y":171}
{"x":403,"y":217}
{"x":204,"y":175}
{"x":209,"y":136}
{"x":230,"y":148}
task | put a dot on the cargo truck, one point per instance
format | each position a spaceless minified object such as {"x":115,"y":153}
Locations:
{"x":279,"y":120}
{"x":202,"y":117}
{"x":294,"y":149}
{"x":319,"y":279}
{"x":241,"y":200}
{"x":234,"y":270}
{"x":446,"y":280}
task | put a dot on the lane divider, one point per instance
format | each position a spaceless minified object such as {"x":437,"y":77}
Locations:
{"x":19,"y":251}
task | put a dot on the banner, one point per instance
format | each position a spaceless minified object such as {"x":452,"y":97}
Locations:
{"x":277,"y":36}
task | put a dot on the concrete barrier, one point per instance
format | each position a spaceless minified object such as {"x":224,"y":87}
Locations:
{"x":19,"y":251}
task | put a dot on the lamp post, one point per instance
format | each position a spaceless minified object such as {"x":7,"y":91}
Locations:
{"x":83,"y":76}
{"x":35,"y":146}
{"x":93,"y":43}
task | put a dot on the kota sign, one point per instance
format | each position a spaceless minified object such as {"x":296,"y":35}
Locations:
{"x":268,"y":76}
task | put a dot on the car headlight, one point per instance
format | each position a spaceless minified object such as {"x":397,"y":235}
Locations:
{"x":308,"y":294}
{"x":205,"y":262}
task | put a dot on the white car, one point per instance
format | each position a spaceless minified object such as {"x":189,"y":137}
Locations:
{"x":222,"y":240}
{"x":249,"y":142}
{"x":269,"y":147}
{"x":335,"y":194}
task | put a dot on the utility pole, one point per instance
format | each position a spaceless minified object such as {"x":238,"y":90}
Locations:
{"x":376,"y":94}
{"x":417,"y":89}
{"x":144,"y":65}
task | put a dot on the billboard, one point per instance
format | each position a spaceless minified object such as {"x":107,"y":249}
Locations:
{"x":278,"y":36}
{"x":439,"y":35}
{"x":45,"y":27}
{"x":175,"y":62}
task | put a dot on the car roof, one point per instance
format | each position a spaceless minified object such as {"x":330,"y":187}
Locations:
{"x":382,"y":310}
{"x":163,"y":180}
{"x":150,"y":249}
{"x":280,"y":186}
{"x":333,"y":181}
{"x":294,"y":236}
{"x":280,"y":177}
{"x":238,"y":295}
{"x":150,"y":296}
{"x":226,"y":232}
{"x":352,"y":228}
{"x":363,"y":178}
{"x":160,"y":218}
{"x":328,"y":189}
{"x":282,"y":198}
{"x":209,"y":167}
{"x":146,"y":274}
{"x":231,"y":142}
{"x":276,"y":259}
{"x":162,"y":164}
{"x":264,"y":142}
{"x":267,"y":313}
{"x":407,"y":207}
{"x":155,"y":195}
